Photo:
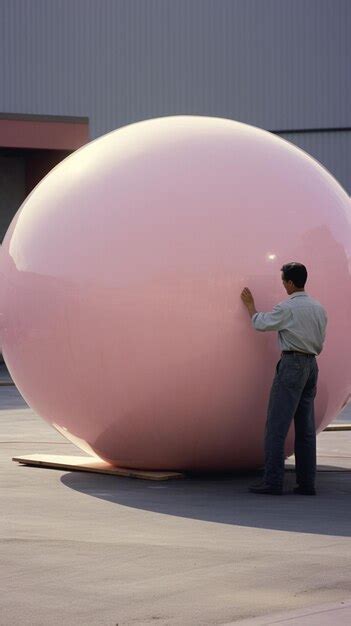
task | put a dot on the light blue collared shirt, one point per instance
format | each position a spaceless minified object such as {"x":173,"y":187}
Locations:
{"x":300,"y":321}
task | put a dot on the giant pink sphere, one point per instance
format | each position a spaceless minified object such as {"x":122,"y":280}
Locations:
{"x":122,"y":323}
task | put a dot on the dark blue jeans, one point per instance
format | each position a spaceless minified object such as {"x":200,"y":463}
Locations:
{"x":292,"y":398}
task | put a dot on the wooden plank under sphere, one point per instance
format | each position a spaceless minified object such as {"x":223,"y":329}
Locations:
{"x":91,"y":464}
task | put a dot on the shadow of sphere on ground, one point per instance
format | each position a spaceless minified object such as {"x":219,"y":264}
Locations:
{"x":225,"y":499}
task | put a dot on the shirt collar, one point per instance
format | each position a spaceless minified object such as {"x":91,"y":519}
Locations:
{"x":297,"y":294}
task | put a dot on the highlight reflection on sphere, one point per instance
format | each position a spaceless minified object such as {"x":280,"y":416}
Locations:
{"x":121,"y":279}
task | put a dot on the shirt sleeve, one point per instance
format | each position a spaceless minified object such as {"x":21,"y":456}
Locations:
{"x":275,"y":320}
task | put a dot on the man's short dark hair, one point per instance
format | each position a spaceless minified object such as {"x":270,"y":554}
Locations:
{"x":296,"y":272}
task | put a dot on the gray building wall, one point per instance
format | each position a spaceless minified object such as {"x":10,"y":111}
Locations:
{"x":278,"y":64}
{"x":331,"y":148}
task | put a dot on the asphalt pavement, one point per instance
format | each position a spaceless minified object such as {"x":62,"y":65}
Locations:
{"x":97,"y":550}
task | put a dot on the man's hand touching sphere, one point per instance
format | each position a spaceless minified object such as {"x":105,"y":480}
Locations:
{"x":248,"y":300}
{"x":246,"y":296}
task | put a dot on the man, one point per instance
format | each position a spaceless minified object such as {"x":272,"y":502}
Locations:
{"x":301,"y":323}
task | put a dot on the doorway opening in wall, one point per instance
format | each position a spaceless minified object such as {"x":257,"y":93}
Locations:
{"x":20,"y":171}
{"x":30,"y":146}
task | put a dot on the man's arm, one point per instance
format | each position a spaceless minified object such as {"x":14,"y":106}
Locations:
{"x":275,"y":320}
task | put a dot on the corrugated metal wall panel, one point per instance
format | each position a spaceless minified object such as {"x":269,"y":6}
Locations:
{"x":274,"y":63}
{"x":331,"y":148}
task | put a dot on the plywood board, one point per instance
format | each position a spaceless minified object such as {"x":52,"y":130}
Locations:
{"x":91,"y":464}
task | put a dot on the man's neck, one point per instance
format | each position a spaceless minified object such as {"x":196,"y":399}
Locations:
{"x":296,"y":291}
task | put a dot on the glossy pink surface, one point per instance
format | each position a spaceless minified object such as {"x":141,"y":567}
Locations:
{"x":122,"y":323}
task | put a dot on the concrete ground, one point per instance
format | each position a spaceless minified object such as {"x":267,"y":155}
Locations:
{"x":94,"y":550}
